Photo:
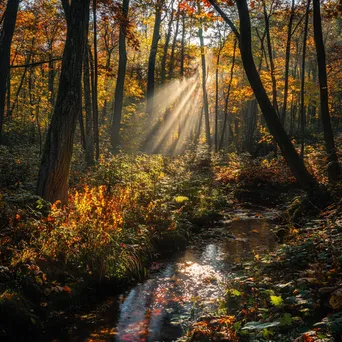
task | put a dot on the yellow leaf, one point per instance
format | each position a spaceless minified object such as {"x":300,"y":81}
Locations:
{"x":336,"y":299}
{"x":38,"y":280}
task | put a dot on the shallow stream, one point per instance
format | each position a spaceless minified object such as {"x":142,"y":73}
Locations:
{"x":182,"y":288}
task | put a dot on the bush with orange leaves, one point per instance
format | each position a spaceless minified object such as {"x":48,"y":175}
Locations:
{"x":243,"y":170}
{"x":110,"y":228}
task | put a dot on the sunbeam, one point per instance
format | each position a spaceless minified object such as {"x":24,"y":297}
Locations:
{"x":168,"y":125}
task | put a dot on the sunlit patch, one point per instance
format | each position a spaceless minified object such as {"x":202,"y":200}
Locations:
{"x":190,"y":287}
{"x":174,"y":119}
{"x":168,"y":301}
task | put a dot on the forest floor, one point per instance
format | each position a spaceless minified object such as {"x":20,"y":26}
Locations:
{"x":292,"y":294}
{"x":295,"y":292}
{"x":127,"y":211}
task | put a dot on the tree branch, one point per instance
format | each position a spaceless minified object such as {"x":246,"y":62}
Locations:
{"x":297,"y":25}
{"x":226,"y":19}
{"x":28,"y":65}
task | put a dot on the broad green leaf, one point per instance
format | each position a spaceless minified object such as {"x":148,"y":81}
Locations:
{"x":286,"y":319}
{"x":260,"y":326}
{"x":234,"y":292}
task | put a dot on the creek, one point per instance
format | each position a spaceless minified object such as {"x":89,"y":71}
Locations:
{"x":181,"y":289}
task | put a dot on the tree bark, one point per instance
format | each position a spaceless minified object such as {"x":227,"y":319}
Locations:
{"x":152,"y":58}
{"x":302,"y":82}
{"x":166,"y":46}
{"x":226,"y":113}
{"x":95,"y":88}
{"x":287,"y":63}
{"x":334,"y":171}
{"x":89,"y":131}
{"x":54,"y":170}
{"x":120,"y":81}
{"x":270,"y":56}
{"x":173,"y":49}
{"x":221,"y":45}
{"x":6,"y":36}
{"x":182,"y":47}
{"x":204,"y":88}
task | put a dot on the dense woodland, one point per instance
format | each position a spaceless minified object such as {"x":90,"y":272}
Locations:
{"x":127,"y":126}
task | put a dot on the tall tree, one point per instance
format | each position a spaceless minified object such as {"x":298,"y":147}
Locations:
{"x":173,"y":48}
{"x":166,"y":44}
{"x":287,"y":62}
{"x":221,"y":44}
{"x":120,"y":81}
{"x":270,"y":54}
{"x":302,"y":81}
{"x":226,"y":113}
{"x":334,"y":170}
{"x":296,"y":164}
{"x":152,"y":57}
{"x":89,"y":136}
{"x":204,"y":85}
{"x":182,"y":61}
{"x":95,"y":86}
{"x":55,"y":165}
{"x":6,"y":36}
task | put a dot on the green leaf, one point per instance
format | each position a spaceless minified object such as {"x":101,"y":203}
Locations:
{"x":260,"y":326}
{"x":237,"y":326}
{"x":286,"y":319}
{"x":276,"y":300}
{"x":234,"y":292}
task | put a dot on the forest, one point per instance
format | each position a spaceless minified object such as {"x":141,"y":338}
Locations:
{"x":170,"y":170}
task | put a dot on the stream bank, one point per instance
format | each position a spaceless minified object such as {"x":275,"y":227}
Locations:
{"x":180,"y":290}
{"x":291,"y":294}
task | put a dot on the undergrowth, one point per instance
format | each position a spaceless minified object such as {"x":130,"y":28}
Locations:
{"x":121,"y":214}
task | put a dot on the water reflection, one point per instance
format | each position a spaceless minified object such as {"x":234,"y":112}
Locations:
{"x":251,"y":236}
{"x":161,"y":308}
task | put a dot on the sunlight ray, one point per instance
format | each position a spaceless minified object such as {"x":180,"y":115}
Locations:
{"x":167,"y":126}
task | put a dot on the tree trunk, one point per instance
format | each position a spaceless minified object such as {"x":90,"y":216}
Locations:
{"x":89,"y":134}
{"x":204,"y":88}
{"x":287,"y":63}
{"x":82,"y":130}
{"x":55,"y":165}
{"x":95,"y":88}
{"x":6,"y":36}
{"x":166,"y":46}
{"x":334,"y":170}
{"x":120,"y":82}
{"x":152,"y":58}
{"x":182,"y":47}
{"x":217,"y":92}
{"x":226,"y":113}
{"x":302,"y":82}
{"x":270,"y":56}
{"x":173,"y":49}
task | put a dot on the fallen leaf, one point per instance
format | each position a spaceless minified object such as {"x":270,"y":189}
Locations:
{"x":67,"y":289}
{"x":336,"y":299}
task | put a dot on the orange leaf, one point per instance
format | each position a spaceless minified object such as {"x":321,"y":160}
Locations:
{"x":67,"y":289}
